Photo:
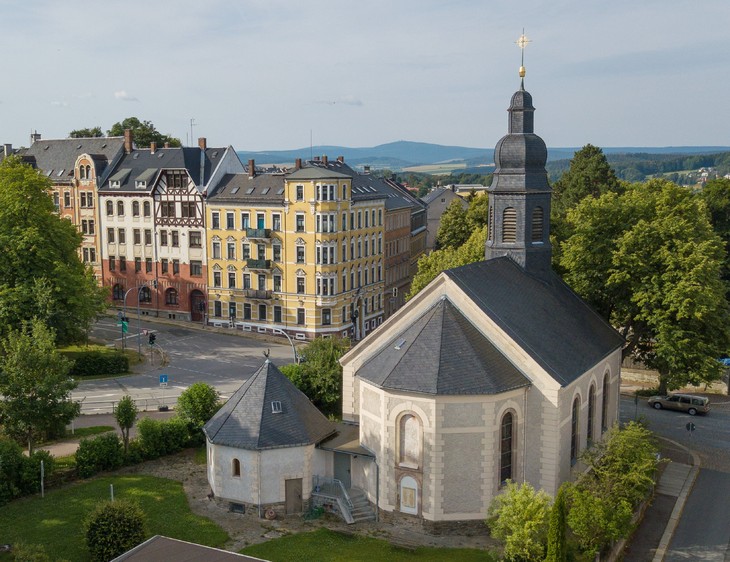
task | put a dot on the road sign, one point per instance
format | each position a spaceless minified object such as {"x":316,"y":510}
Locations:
{"x":690,"y":427}
{"x":163,"y":380}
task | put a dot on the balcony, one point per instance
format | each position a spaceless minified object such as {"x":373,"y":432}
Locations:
{"x":257,"y":294}
{"x":258,"y":264}
{"x":258,"y":233}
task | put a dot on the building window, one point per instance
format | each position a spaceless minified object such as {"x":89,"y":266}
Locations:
{"x":246,"y":280}
{"x":262,"y":282}
{"x":326,"y":316}
{"x":277,"y":313}
{"x":163,"y":237}
{"x":215,"y":219}
{"x":171,"y":296}
{"x":135,"y":208}
{"x":148,"y":265}
{"x":262,"y":312}
{"x":118,"y":292}
{"x":66,"y":199}
{"x":109,"y":208}
{"x":112,"y":263}
{"x":147,"y":237}
{"x":300,"y":254}
{"x":245,"y":220}
{"x":260,"y":220}
{"x":167,"y":209}
{"x":120,"y":208}
{"x":137,"y":236}
{"x":537,"y":222}
{"x":164,"y":263}
{"x":175,"y":179}
{"x":591,"y":413}
{"x":231,"y":280}
{"x":216,"y":278}
{"x":300,"y":316}
{"x":246,"y":251}
{"x":196,"y":268}
{"x":122,"y":235}
{"x":300,"y":285}
{"x":236,"y":471}
{"x":137,"y":265}
{"x":196,"y":240}
{"x":230,"y":221}
{"x":247,"y":311}
{"x":261,"y":251}
{"x":276,"y":222}
{"x":277,"y":283}
{"x":217,"y":309}
{"x":122,"y":263}
{"x":110,"y":235}
{"x":216,"y":250}
{"x":574,"y":434}
{"x":145,"y":295}
{"x":509,"y":225}
{"x":175,"y":238}
{"x":189,"y":209}
{"x":147,"y":209}
{"x":300,"y":193}
{"x":604,"y":406}
{"x":231,"y":250}
{"x":300,"y":222}
{"x":276,"y":252}
{"x":232,"y":311}
{"x":175,"y":267}
{"x":506,"y":448}
{"x":409,"y":450}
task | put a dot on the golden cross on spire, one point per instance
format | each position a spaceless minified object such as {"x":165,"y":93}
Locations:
{"x":522,"y":43}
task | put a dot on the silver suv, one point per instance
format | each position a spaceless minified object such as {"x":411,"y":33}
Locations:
{"x":682,"y":402}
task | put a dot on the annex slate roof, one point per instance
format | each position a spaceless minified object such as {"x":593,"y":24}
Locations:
{"x":434,"y":194}
{"x":442,"y":353}
{"x":314,"y":173}
{"x":240,"y":187}
{"x":165,"y":549}
{"x":58,"y":156}
{"x":543,"y":315}
{"x":248,"y":421}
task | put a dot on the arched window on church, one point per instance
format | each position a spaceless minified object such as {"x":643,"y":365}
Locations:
{"x":509,"y":225}
{"x":537,"y":224}
{"x":410,"y":442}
{"x":604,"y":407}
{"x":574,"y":425}
{"x":236,"y":468}
{"x":506,"y":448}
{"x":591,"y":413}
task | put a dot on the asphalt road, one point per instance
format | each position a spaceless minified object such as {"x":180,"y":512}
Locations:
{"x":222,"y":360}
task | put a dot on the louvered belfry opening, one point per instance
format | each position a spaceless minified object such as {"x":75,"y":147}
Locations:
{"x":509,"y":225}
{"x":537,"y":222}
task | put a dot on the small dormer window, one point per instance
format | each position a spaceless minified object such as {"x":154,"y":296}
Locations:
{"x":276,"y":407}
{"x":114,"y":184}
{"x":140,"y":184}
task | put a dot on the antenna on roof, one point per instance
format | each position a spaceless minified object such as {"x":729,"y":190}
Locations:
{"x":266,"y":354}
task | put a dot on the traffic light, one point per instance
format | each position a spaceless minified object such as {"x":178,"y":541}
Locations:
{"x":152,"y":338}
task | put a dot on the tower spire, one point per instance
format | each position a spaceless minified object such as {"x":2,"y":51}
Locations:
{"x":522,"y":43}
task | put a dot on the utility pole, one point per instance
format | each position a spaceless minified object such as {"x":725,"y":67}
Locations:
{"x":192,"y":124}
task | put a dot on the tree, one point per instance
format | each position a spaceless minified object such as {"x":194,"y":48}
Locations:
{"x":716,"y":195}
{"x":597,"y":520}
{"x":86,"y":133}
{"x":440,"y":260}
{"x":649,"y":262}
{"x":41,"y":274}
{"x":34,"y":385}
{"x":519,"y":517}
{"x":478,"y":211}
{"x":556,"y":541}
{"x":113,"y":528}
{"x":197,"y":404}
{"x":126,"y":415}
{"x":143,"y":132}
{"x":455,"y":228}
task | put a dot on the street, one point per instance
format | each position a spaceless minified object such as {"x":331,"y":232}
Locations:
{"x":222,"y":360}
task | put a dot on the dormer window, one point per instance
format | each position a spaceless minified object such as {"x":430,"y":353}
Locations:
{"x":114,"y":184}
{"x":140,"y":184}
{"x":276,"y":407}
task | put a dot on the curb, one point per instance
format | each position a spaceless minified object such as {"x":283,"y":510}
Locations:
{"x":676,"y":515}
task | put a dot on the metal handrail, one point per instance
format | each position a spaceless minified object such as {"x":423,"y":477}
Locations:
{"x":326,"y":486}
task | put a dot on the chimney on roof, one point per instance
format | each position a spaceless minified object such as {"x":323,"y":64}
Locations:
{"x":128,"y":140}
{"x":298,"y":164}
{"x":366,"y":169}
{"x":167,"y":145}
{"x":8,"y":149}
{"x":203,"y":143}
{"x":316,"y":158}
{"x":153,"y":147}
{"x":251,"y":168}
{"x":325,"y":161}
{"x":35,"y":136}
{"x":341,"y":159}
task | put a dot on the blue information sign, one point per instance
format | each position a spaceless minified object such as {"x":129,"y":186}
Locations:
{"x":163,"y":379}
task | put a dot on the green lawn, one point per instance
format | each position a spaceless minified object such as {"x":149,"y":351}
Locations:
{"x":56,"y":521}
{"x":329,"y":546}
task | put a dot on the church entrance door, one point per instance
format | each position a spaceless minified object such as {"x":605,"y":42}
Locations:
{"x":342,"y":469}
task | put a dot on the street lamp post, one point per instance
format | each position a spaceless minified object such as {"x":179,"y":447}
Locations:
{"x":139,"y":315}
{"x":297,"y":359}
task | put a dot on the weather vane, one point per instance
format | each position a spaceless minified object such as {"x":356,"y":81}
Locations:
{"x":522,"y":43}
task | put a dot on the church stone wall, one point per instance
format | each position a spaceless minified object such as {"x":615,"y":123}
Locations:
{"x":463,"y":473}
{"x":460,"y":414}
{"x":239,"y":489}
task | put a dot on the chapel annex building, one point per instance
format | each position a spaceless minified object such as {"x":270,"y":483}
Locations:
{"x":495,"y":371}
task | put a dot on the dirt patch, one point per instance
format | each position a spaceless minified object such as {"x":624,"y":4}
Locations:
{"x":247,"y":529}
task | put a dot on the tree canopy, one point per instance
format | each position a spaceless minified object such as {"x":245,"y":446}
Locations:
{"x":34,"y":385}
{"x":86,"y":133}
{"x":143,"y":132}
{"x":41,"y":274}
{"x":716,"y":195}
{"x":454,"y":229}
{"x":649,"y":261}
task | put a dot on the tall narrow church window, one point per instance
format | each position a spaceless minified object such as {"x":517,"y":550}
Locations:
{"x":506,"y":448}
{"x":236,"y":467}
{"x":537,"y":222}
{"x":410,"y":441}
{"x":591,"y":412}
{"x":604,"y":408}
{"x":574,"y":431}
{"x":509,"y":225}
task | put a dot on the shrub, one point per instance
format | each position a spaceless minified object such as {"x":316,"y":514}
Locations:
{"x":95,"y":362}
{"x":196,"y":405}
{"x":556,"y":542}
{"x":30,"y":481}
{"x":113,"y":528}
{"x":24,"y":552}
{"x":11,"y":470}
{"x":104,"y":452}
{"x":157,"y":438}
{"x":519,"y":517}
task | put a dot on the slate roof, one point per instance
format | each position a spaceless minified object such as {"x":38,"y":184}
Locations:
{"x":247,"y":420}
{"x":442,"y":353}
{"x":434,"y":194}
{"x":262,"y":188}
{"x":58,"y":156}
{"x":165,"y":549}
{"x":141,"y":164}
{"x":543,"y":315}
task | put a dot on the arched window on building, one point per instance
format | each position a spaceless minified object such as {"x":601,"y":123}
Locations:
{"x":537,"y":224}
{"x":591,"y":413}
{"x":118,"y":292}
{"x":135,"y":208}
{"x":236,"y":468}
{"x":574,"y":434}
{"x":509,"y":225}
{"x":88,"y":172}
{"x":604,"y":406}
{"x":171,"y":296}
{"x":82,"y":172}
{"x":145,"y":295}
{"x":506,"y":448}
{"x":120,"y":208}
{"x":410,"y":442}
{"x":109,"y":208}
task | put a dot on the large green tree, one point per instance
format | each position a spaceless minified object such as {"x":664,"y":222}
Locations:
{"x":454,"y":229}
{"x":86,"y":133}
{"x":143,"y":132}
{"x":649,"y":261}
{"x":41,"y":274}
{"x":716,"y":195}
{"x":35,"y":387}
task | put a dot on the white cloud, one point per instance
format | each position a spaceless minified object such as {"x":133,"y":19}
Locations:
{"x":59,"y":104}
{"x":124,"y":96}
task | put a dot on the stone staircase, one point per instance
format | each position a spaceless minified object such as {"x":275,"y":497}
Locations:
{"x":361,"y":508}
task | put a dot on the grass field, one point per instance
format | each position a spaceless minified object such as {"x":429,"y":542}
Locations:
{"x":437,"y":169}
{"x":56,"y":521}
{"x":329,"y":546}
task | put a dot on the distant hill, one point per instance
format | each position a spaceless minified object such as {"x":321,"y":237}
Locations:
{"x":405,"y":154}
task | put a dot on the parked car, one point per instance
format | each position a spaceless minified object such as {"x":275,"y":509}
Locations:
{"x":682,"y":402}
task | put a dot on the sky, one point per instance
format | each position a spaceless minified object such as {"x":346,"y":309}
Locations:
{"x":281,"y":74}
